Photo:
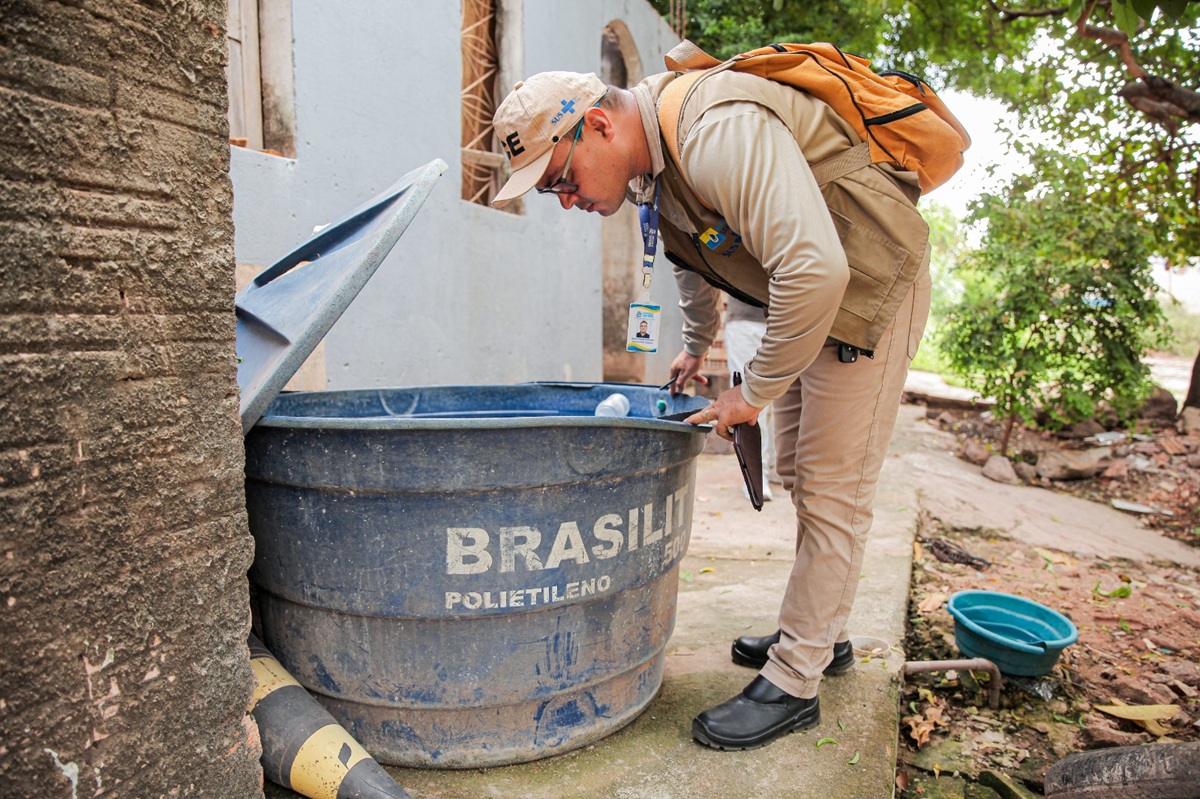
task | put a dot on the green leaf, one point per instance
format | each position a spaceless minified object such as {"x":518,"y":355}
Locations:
{"x":1075,"y":9}
{"x":841,"y":725}
{"x":1173,"y":8}
{"x":1145,"y":8}
{"x":826,"y":741}
{"x":853,"y":761}
{"x":1120,"y":591}
{"x":1065,"y":720}
{"x":1125,"y":15}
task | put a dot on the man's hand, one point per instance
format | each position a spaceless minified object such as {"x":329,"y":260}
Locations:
{"x":686,"y":367}
{"x":729,"y":409}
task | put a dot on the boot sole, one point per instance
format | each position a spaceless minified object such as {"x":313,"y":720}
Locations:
{"x":702,"y":737}
{"x":746,"y":660}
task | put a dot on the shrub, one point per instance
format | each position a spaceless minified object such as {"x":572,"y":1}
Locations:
{"x":1058,"y":306}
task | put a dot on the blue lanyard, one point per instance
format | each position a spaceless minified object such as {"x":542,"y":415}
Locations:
{"x":648,"y":214}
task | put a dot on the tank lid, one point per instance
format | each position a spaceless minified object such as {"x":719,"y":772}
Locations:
{"x":287,"y":309}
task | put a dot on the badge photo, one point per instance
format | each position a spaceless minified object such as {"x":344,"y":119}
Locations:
{"x":643,"y":327}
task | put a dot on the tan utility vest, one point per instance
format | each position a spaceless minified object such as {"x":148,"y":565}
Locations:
{"x":883,"y":235}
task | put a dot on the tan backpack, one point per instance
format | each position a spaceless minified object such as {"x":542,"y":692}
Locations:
{"x":899,"y":118}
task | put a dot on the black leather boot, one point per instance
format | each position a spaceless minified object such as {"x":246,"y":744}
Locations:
{"x":751,"y":650}
{"x":755,"y":717}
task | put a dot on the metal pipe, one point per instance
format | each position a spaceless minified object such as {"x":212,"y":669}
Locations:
{"x":974,"y":664}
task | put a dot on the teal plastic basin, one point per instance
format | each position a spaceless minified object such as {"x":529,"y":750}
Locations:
{"x":1022,"y":637}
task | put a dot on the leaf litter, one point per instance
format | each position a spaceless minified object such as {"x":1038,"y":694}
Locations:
{"x":1133,"y":677}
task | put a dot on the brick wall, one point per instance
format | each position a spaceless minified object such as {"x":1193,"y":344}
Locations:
{"x":123,"y":540}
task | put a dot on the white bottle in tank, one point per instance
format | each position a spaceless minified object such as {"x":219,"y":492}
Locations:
{"x":613,"y":405}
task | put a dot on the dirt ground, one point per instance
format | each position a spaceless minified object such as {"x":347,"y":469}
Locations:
{"x":1139,"y":628}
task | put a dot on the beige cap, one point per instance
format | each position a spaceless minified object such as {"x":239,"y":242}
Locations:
{"x":534,"y":117}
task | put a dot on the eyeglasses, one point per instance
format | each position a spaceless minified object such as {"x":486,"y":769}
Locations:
{"x":562,"y":185}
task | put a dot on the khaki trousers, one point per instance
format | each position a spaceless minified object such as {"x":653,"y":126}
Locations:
{"x":832,"y":432}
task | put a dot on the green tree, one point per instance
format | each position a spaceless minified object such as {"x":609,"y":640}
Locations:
{"x":1050,"y":323}
{"x":727,"y":27}
{"x":948,"y":247}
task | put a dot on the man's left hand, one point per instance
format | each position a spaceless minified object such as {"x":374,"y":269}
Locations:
{"x":730,"y":408}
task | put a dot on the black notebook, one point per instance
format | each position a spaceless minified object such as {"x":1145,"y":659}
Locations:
{"x":747,"y":445}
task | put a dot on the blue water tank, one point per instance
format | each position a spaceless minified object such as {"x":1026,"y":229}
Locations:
{"x":472,"y":576}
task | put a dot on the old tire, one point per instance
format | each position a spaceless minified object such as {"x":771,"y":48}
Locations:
{"x":1154,"y":771}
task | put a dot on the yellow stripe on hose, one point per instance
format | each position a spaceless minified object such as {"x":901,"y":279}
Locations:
{"x":269,"y":676}
{"x":323,"y":762}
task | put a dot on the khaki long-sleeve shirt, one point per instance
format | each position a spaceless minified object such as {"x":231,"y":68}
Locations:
{"x":743,"y":161}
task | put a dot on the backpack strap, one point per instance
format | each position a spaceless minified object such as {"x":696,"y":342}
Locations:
{"x":686,"y":56}
{"x":841,"y":164}
{"x":670,"y":106}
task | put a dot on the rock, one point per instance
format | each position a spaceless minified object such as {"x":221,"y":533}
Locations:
{"x":1162,"y":694}
{"x":1005,"y":785}
{"x":946,"y":420}
{"x":1167,"y":640}
{"x":1099,"y":734}
{"x":1160,"y":406}
{"x":1088,"y":427}
{"x":1136,"y":692}
{"x":1185,"y":671}
{"x":1117,"y":470}
{"x":1071,"y":464}
{"x":945,"y":755}
{"x":1193,"y":460}
{"x":1173,"y":445}
{"x":942,"y":787}
{"x":1026,"y":471}
{"x":1139,"y":464}
{"x":1184,"y":690}
{"x":974,"y":452}
{"x":1000,"y":469}
{"x":1189,"y":421}
{"x":976,"y":791}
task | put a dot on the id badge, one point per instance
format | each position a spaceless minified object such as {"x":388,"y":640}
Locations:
{"x":643,"y":327}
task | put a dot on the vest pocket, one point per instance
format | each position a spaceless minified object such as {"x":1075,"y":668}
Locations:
{"x":876,"y":263}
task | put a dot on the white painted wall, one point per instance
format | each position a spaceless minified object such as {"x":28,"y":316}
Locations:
{"x":470,"y":295}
